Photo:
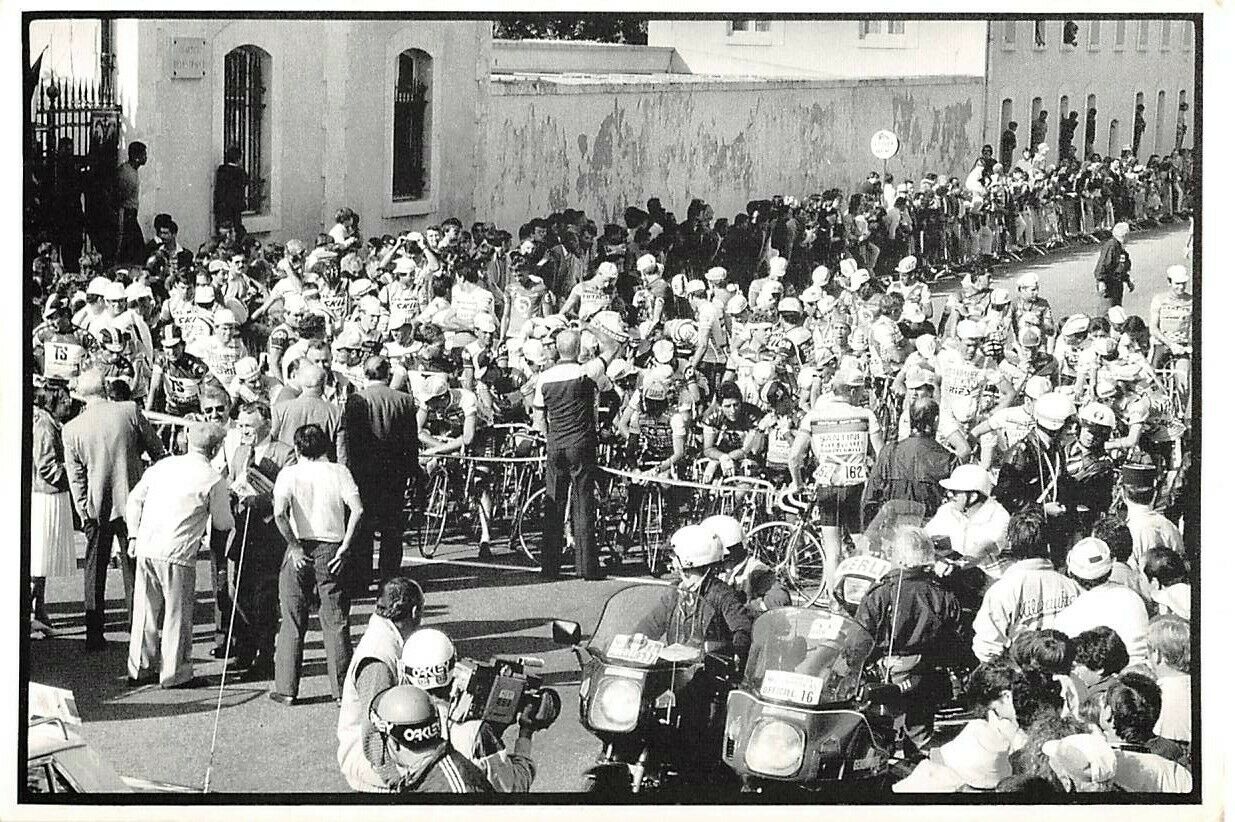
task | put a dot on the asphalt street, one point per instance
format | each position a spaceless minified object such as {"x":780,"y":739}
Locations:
{"x":495,"y":607}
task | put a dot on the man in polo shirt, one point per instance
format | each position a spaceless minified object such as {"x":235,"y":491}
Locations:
{"x":565,"y":411}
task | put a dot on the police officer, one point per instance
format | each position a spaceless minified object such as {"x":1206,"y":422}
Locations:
{"x":755,"y":583}
{"x":1090,"y":467}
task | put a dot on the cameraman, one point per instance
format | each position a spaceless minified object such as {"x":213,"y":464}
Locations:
{"x":428,"y":662}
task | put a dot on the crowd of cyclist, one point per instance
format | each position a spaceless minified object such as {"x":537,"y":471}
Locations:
{"x":800,"y":345}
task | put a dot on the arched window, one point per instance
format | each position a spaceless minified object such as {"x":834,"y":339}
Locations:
{"x":412,"y":118}
{"x":246,"y":120}
{"x":1112,"y":143}
{"x":1161,"y":124}
{"x":1139,"y":122}
{"x":1091,"y":124}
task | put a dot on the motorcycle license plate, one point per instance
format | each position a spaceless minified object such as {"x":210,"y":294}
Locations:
{"x":641,"y":653}
{"x":787,"y":686}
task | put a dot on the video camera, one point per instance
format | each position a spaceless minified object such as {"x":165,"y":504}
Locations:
{"x":499,"y":690}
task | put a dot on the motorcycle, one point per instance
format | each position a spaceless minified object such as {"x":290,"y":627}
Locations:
{"x":803,"y":717}
{"x":644,"y":698}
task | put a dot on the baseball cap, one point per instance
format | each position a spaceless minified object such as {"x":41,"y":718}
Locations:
{"x":433,"y":385}
{"x":811,"y":294}
{"x":619,"y":369}
{"x":1096,"y":414}
{"x":647,"y":264}
{"x":1076,"y":324}
{"x":1177,"y":274}
{"x":1037,"y":387}
{"x":216,"y":265}
{"x":858,"y":279}
{"x":360,"y":288}
{"x":405,"y":265}
{"x":736,"y":304}
{"x":790,"y":304}
{"x":203,"y":294}
{"x":114,"y":291}
{"x":1090,"y":559}
{"x":97,"y":287}
{"x":969,"y":330}
{"x":171,"y":336}
{"x":820,"y":276}
{"x":138,"y":291}
{"x":349,"y":338}
{"x":370,"y":305}
{"x":610,"y":323}
{"x":716,"y":274}
{"x":607,"y":271}
{"x":695,"y":287}
{"x":485,"y":322}
{"x":1027,"y":280}
{"x":247,"y":368}
{"x":1052,"y":410}
{"x":225,"y":316}
{"x":907,"y":264}
{"x":1116,"y":315}
{"x":918,"y":377}
{"x":1000,"y":296}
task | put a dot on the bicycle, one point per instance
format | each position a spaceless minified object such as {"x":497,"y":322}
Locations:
{"x":793,"y":548}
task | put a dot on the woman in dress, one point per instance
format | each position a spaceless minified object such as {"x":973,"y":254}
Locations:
{"x":51,"y":510}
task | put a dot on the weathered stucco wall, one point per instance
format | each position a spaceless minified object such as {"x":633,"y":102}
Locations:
{"x":601,"y":145}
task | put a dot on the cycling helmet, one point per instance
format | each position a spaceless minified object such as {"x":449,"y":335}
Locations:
{"x":727,"y":529}
{"x":619,"y":370}
{"x":428,"y":659}
{"x":1096,"y":414}
{"x":655,"y":390}
{"x":682,"y":332}
{"x":663,"y":351}
{"x":111,"y":338}
{"x":798,"y":336}
{"x":696,"y":547}
{"x":406,"y":714}
{"x":969,"y":478}
{"x":969,"y":330}
{"x":789,"y":305}
{"x":1052,"y":410}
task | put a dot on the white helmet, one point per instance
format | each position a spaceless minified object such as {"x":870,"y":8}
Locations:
{"x":696,"y":546}
{"x":727,"y":529}
{"x":428,"y":659}
{"x":1052,"y":410}
{"x":1096,"y":414}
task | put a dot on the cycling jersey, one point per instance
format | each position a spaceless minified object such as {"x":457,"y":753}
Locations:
{"x":1174,"y":317}
{"x":220,"y":357}
{"x":336,"y":302}
{"x":886,"y":341}
{"x":59,"y":355}
{"x":731,"y":434}
{"x":780,"y":431}
{"x":655,"y":434}
{"x":525,"y":303}
{"x":1035,"y":312}
{"x":403,"y":300}
{"x":180,"y":381}
{"x":840,"y":438}
{"x":448,"y":422}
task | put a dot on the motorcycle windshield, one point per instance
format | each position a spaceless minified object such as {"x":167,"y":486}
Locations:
{"x":807,"y":657}
{"x":633,"y":623}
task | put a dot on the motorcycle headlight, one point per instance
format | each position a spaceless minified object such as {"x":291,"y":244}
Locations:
{"x":776,"y":748}
{"x":615,"y":707}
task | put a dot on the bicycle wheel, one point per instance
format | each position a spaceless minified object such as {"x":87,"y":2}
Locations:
{"x":433,"y":521}
{"x":769,"y":542}
{"x":805,"y":568}
{"x":651,"y":529}
{"x":526,"y":532}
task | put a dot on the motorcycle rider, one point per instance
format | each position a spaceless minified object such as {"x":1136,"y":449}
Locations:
{"x":375,"y":668}
{"x":916,"y":623}
{"x":428,"y":662}
{"x":754,"y":581}
{"x":409,"y":750}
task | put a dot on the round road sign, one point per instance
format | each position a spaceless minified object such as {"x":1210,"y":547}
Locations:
{"x":884,"y":144}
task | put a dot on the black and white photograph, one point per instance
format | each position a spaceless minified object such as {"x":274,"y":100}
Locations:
{"x":612,"y":407}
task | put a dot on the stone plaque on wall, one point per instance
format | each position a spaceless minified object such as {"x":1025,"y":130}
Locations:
{"x":188,"y":58}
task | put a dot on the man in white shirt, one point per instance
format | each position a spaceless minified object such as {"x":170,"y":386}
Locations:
{"x":1149,"y":528}
{"x":1103,"y":602}
{"x":317,"y":508}
{"x":167,"y":514}
{"x":974,"y":522}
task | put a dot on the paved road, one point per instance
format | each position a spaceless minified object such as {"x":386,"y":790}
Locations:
{"x":497,"y":607}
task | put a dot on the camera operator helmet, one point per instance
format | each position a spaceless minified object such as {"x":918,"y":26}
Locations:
{"x":696,"y":547}
{"x":407,"y":715}
{"x":428,"y":659}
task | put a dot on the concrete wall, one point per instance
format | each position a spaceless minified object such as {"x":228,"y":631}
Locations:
{"x":331,"y":105}
{"x":1113,"y":73}
{"x":601,"y":145}
{"x":567,"y":56}
{"x":825,"y":48}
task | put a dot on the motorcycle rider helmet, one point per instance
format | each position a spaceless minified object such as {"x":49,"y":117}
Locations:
{"x":727,"y":529}
{"x":696,"y":547}
{"x":407,"y":715}
{"x":1052,"y":410}
{"x":428,"y":659}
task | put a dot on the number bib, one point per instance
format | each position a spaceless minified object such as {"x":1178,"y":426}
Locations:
{"x":181,"y":391}
{"x":62,"y":359}
{"x":336,"y":304}
{"x":840,"y":446}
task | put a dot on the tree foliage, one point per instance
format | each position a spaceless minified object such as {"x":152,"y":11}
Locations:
{"x":631,"y":29}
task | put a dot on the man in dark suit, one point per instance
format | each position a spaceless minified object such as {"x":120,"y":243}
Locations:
{"x":231,"y":183}
{"x":1112,"y":269}
{"x":253,"y":463}
{"x":103,"y":446}
{"x":308,"y":407}
{"x":382,"y":452}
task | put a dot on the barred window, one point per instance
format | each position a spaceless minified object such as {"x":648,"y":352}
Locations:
{"x":246,"y":119}
{"x":412,"y":114}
